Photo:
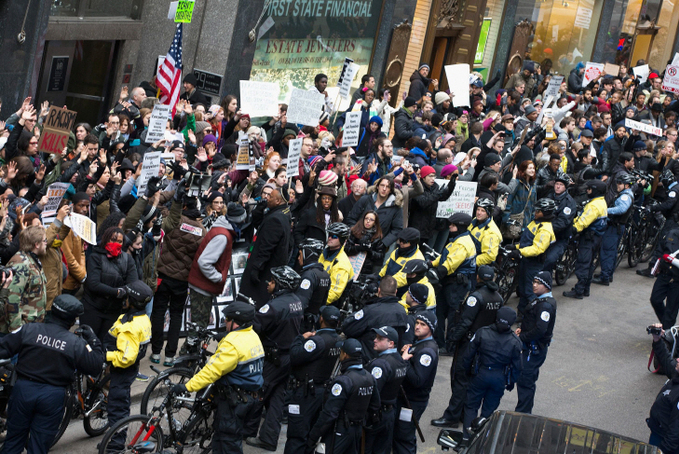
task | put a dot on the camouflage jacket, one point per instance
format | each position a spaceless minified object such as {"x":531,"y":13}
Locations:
{"x":25,"y":299}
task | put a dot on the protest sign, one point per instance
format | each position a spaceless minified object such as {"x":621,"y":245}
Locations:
{"x":458,"y":83}
{"x":170,"y":137}
{"x":461,"y":200}
{"x":553,"y":87}
{"x":184,"y":11}
{"x":294,"y":153}
{"x":347,"y":79}
{"x":305,"y":107}
{"x":158,"y":123}
{"x":611,"y":69}
{"x":352,"y":129}
{"x":675,"y":60}
{"x":82,"y":227}
{"x":641,"y":72}
{"x":643,"y":127}
{"x":243,"y":159}
{"x":55,"y":193}
{"x":149,"y":168}
{"x":259,"y":99}
{"x":56,"y":129}
{"x":592,"y":71}
{"x":671,"y":80}
{"x":583,"y":17}
{"x":357,"y":262}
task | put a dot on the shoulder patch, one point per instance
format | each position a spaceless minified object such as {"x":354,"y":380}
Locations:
{"x":425,"y":360}
{"x":545,"y":316}
{"x":672,"y":194}
{"x":471,"y":301}
{"x":264,"y":309}
{"x":310,"y":346}
{"x":305,"y":284}
{"x":359,"y":315}
{"x":336,"y":389}
{"x":625,"y":197}
{"x":567,"y":211}
{"x":377,"y":373}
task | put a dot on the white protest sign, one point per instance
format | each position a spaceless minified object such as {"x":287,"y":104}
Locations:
{"x":641,"y":72}
{"x":55,"y":193}
{"x":294,"y":152}
{"x":553,"y":87}
{"x":305,"y":107}
{"x":149,"y":168}
{"x":583,"y":17}
{"x":671,"y":80}
{"x":643,"y":127}
{"x":82,"y":227}
{"x":169,"y":137}
{"x":173,"y":10}
{"x":243,"y":157}
{"x":158,"y":123}
{"x":460,"y":201}
{"x":675,"y":60}
{"x":458,"y":83}
{"x":347,"y":80}
{"x":352,"y":129}
{"x":545,"y":109}
{"x":259,"y":99}
{"x":592,"y":71}
{"x":357,"y":262}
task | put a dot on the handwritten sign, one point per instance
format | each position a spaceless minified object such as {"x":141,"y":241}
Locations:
{"x":458,"y":83}
{"x":643,"y":127}
{"x":671,"y":80}
{"x":357,"y":262}
{"x":352,"y":129}
{"x":553,"y":87}
{"x":83,"y":227}
{"x":460,"y":201}
{"x":294,"y":153}
{"x":641,"y":72}
{"x":611,"y":69}
{"x":347,"y":76}
{"x":243,"y":159}
{"x":305,"y":107}
{"x":149,"y":168}
{"x":184,"y":11}
{"x":55,"y":193}
{"x":56,"y":129}
{"x":592,"y":71}
{"x":158,"y":123}
{"x":259,"y":99}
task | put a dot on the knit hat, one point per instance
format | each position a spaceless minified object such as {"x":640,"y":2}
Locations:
{"x":440,"y":98}
{"x":179,"y":143}
{"x":312,"y":160}
{"x":656,"y":107}
{"x":603,"y":108}
{"x":126,"y":165}
{"x":620,"y":124}
{"x":423,"y":65}
{"x":544,"y":278}
{"x":529,"y":65}
{"x":639,"y":145}
{"x":235,"y":213}
{"x":149,"y":212}
{"x":214,"y":195}
{"x":529,"y":110}
{"x":428,"y":317}
{"x":375,"y":119}
{"x":448,"y":169}
{"x":409,"y":102}
{"x":426,"y":170}
{"x":653,"y":76}
{"x":190,"y":78}
{"x":327,"y":178}
{"x":289,"y":132}
{"x":447,"y":138}
{"x":459,"y":157}
{"x":409,"y":235}
{"x":324,"y":116}
{"x":79,"y":196}
{"x":419,"y":293}
{"x":200,"y":125}
{"x":219,"y":161}
{"x":209,"y":138}
{"x":491,"y":159}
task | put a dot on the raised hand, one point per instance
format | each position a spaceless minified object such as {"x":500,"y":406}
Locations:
{"x":40,"y":174}
{"x":28,"y":113}
{"x":124,"y":92}
{"x":44,"y":109}
{"x":188,"y":110}
{"x":11,"y":170}
{"x":201,"y":155}
{"x":192,"y":136}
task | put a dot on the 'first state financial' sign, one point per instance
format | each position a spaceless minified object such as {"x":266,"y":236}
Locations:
{"x":320,"y":8}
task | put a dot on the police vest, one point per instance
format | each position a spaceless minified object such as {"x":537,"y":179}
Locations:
{"x":320,"y":370}
{"x":316,"y":279}
{"x":362,"y":388}
{"x":392,"y":387}
{"x":287,"y":309}
{"x":491,"y":301}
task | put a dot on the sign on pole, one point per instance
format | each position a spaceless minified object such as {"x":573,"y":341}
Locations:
{"x":305,"y":107}
{"x":460,"y":201}
{"x":458,"y":83}
{"x":352,"y":129}
{"x":82,"y":227}
{"x":592,"y":71}
{"x":259,"y":99}
{"x":149,"y":168}
{"x":611,"y":69}
{"x":55,"y":193}
{"x":553,"y":87}
{"x":56,"y":129}
{"x":671,"y":80}
{"x":348,"y":76}
{"x":294,"y":152}
{"x":184,"y":11}
{"x":158,"y":123}
{"x":643,"y":127}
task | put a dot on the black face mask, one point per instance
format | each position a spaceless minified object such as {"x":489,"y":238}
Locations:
{"x":406,"y":250}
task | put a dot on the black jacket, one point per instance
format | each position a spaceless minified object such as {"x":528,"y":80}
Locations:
{"x":418,"y":86}
{"x":565,"y":212}
{"x":346,"y":205}
{"x":374,"y":250}
{"x":105,"y":276}
{"x":197,"y":98}
{"x":390,"y":214}
{"x":308,"y":226}
{"x":423,"y":208}
{"x":278,"y":322}
{"x":403,"y":128}
{"x":664,"y":418}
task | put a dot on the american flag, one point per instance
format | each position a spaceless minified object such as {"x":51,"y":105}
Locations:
{"x":169,"y":76}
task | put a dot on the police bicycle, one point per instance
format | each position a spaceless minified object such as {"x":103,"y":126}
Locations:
{"x":644,"y":234}
{"x":507,"y":269}
{"x":149,"y":433}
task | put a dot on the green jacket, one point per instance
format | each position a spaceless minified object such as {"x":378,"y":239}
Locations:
{"x":25,"y":299}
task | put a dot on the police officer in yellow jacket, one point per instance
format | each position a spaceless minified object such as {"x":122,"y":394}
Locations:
{"x":456,"y":268}
{"x":534,"y":242}
{"x":236,"y":367}
{"x":126,"y":344}
{"x":336,"y":262}
{"x":486,"y":232}
{"x":416,"y":271}
{"x":591,"y":225}
{"x":407,"y":250}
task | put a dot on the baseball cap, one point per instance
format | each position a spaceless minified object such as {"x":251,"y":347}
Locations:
{"x":351,"y":347}
{"x":388,"y":332}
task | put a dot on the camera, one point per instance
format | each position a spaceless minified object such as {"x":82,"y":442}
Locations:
{"x":654,"y":330}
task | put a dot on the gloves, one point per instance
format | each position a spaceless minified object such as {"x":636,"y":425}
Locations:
{"x":311,"y":445}
{"x":152,"y":187}
{"x":254,"y":277}
{"x":515,"y":255}
{"x":157,"y":224}
{"x":177,"y":170}
{"x":442,"y":271}
{"x":122,"y":293}
{"x":429,"y":265}
{"x":179,"y":388}
{"x":88,"y":334}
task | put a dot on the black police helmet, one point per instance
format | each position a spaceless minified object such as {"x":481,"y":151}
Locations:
{"x":239,"y":312}
{"x":546,"y":206}
{"x":339,"y":229}
{"x":667,"y":178}
{"x":461,"y":220}
{"x":138,"y":294}
{"x":285,"y":277}
{"x":562,"y":177}
{"x":415,"y":267}
{"x":625,"y":178}
{"x":311,"y":247}
{"x":598,"y":187}
{"x":486,"y":204}
{"x":67,"y":307}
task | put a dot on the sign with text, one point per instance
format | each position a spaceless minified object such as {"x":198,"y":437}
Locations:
{"x":357,"y":262}
{"x":158,"y":123}
{"x":208,"y":82}
{"x":458,"y":83}
{"x":583,"y":18}
{"x":305,"y":107}
{"x":259,"y":99}
{"x":671,"y":80}
{"x":55,"y":193}
{"x":243,"y":159}
{"x":56,"y":129}
{"x":57,"y":80}
{"x":347,"y":61}
{"x":83,"y":227}
{"x":294,"y":152}
{"x":184,"y":11}
{"x":641,"y":72}
{"x":460,"y":201}
{"x":352,"y":129}
{"x":553,"y":87}
{"x":149,"y":168}
{"x":592,"y":71}
{"x":643,"y":127}
{"x":347,"y":79}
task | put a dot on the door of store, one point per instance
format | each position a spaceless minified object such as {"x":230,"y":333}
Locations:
{"x":79,"y":74}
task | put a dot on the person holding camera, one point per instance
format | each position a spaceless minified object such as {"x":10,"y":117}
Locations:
{"x":664,"y":416}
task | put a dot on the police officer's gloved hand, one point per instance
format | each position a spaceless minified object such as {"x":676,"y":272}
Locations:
{"x":122,"y":293}
{"x":254,"y":277}
{"x":88,"y":334}
{"x":179,"y":388}
{"x":311,"y":445}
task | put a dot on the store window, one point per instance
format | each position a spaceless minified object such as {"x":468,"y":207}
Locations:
{"x":314,"y":36}
{"x":96,"y":8}
{"x":490,"y":31}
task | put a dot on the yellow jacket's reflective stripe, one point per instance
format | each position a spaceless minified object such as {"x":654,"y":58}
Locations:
{"x":400,"y":276}
{"x":490,"y":239}
{"x":461,"y":249}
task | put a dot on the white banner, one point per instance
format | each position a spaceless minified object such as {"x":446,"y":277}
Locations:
{"x":458,"y":83}
{"x":643,"y":127}
{"x":243,"y":157}
{"x":592,"y":71}
{"x":553,"y":87}
{"x":82,"y":227}
{"x":305,"y":107}
{"x":55,"y":193}
{"x":460,"y":201}
{"x":158,"y":123}
{"x":149,"y":168}
{"x":259,"y":99}
{"x":294,"y":153}
{"x":352,"y":129}
{"x":671,"y":80}
{"x":641,"y":72}
{"x":347,"y":80}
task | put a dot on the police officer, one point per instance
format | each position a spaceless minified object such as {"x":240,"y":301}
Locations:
{"x":36,"y":405}
{"x":562,"y":222}
{"x":126,"y":346}
{"x":389,"y":370}
{"x":618,"y":215}
{"x":456,"y":268}
{"x":479,"y":311}
{"x":666,"y":286}
{"x":535,"y":335}
{"x":240,"y":353}
{"x":385,"y":310}
{"x":498,"y":365}
{"x":665,"y":409}
{"x":591,"y":225}
{"x":336,"y":263}
{"x":534,"y":242}
{"x":278,"y":323}
{"x":416,"y":271}
{"x":407,"y":250}
{"x":423,"y":357}
{"x":315,"y":285}
{"x":486,"y":232}
{"x":313,"y":356}
{"x":416,"y":299}
{"x":352,"y":398}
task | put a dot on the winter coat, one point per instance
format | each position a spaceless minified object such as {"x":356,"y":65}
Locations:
{"x":390,"y":214}
{"x":308,"y":227}
{"x":575,"y":79}
{"x":519,"y":198}
{"x":104,"y":277}
{"x":374,"y":250}
{"x":182,"y":239}
{"x":403,"y":127}
{"x":423,"y":208}
{"x":52,"y":265}
{"x":418,"y":86}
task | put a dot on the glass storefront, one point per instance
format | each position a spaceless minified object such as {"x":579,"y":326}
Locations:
{"x":96,"y":8}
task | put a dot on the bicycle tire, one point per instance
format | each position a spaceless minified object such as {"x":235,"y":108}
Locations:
{"x":101,"y":413}
{"x":69,"y":399}
{"x":196,"y":436}
{"x":156,"y":391}
{"x":632,"y":252}
{"x":156,"y":437}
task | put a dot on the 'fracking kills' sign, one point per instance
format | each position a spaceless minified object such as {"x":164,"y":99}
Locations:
{"x":56,"y":128}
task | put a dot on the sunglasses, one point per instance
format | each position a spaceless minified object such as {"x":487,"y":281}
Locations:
{"x":334,"y":237}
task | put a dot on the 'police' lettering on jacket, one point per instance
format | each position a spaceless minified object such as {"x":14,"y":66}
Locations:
{"x":56,"y":344}
{"x":296,"y":307}
{"x":400,"y":372}
{"x":365,"y":390}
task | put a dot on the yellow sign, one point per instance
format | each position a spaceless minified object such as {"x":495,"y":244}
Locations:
{"x":184,"y":11}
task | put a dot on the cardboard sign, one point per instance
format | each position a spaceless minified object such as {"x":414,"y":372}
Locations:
{"x":352,"y":129}
{"x":641,"y":72}
{"x":259,"y":99}
{"x":294,"y":153}
{"x":55,"y":193}
{"x":611,"y":69}
{"x":83,"y":227}
{"x":347,"y":79}
{"x":158,"y":123}
{"x":243,"y":159}
{"x":149,"y":168}
{"x":643,"y":127}
{"x":460,"y":201}
{"x":458,"y":83}
{"x":357,"y":262}
{"x":305,"y":107}
{"x":56,"y":129}
{"x":553,"y":87}
{"x":671,"y":80}
{"x":184,"y":11}
{"x":592,"y":71}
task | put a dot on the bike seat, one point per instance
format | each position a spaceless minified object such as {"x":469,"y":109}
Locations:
{"x":144,"y":446}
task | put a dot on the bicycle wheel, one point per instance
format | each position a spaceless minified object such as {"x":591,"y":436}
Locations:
{"x":157,"y":390}
{"x":69,"y":401}
{"x":196,"y":437}
{"x":129,"y":432}
{"x":96,"y":422}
